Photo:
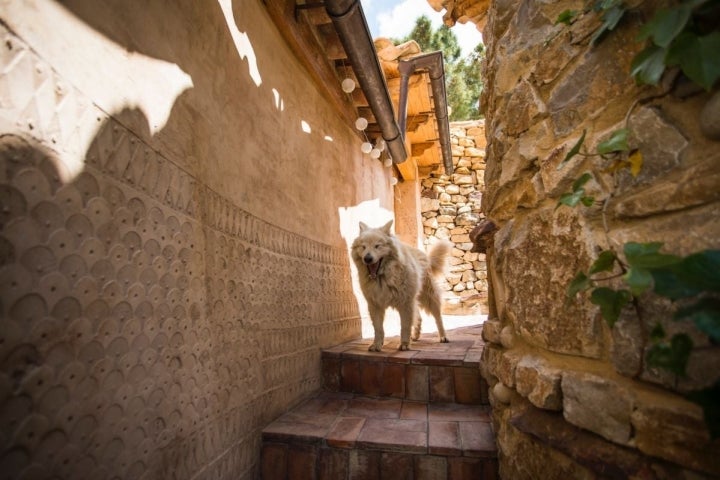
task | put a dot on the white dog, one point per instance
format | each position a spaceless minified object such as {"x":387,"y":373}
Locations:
{"x":396,"y":275}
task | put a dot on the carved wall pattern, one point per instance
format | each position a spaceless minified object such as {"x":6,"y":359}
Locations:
{"x":149,"y":326}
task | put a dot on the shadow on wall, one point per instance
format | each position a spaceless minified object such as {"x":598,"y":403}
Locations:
{"x":141,"y":333}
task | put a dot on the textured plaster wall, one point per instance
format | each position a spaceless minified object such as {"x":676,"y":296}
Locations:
{"x":572,"y":397}
{"x":172,"y":256}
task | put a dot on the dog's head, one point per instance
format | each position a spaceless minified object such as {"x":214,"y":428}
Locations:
{"x":371,"y":247}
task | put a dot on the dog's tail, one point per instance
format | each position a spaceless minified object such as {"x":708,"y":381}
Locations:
{"x":436,"y":256}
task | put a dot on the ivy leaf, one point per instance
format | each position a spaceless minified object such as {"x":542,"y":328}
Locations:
{"x":567,"y":17}
{"x":635,"y":249}
{"x":636,"y":162}
{"x":647,"y":256}
{"x":580,"y":182}
{"x":580,"y":283}
{"x":705,"y":314}
{"x":672,"y":357}
{"x":666,"y":283}
{"x":665,"y":25}
{"x":638,"y":279}
{"x":578,"y":194}
{"x":610,"y":18}
{"x":709,"y":400}
{"x":648,"y":66}
{"x":604,"y":263}
{"x":574,"y":150}
{"x":701,"y":270}
{"x":587,"y":201}
{"x":611,"y":302}
{"x":657,"y":333}
{"x":697,"y":57}
{"x":616,"y":143}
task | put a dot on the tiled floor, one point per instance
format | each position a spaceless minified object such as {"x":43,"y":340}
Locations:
{"x":345,"y":420}
{"x":429,"y":372}
{"x":418,"y":414}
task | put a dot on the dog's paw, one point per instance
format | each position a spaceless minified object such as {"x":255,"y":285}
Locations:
{"x":374,"y":348}
{"x":444,"y":340}
{"x":404,"y":346}
{"x":415,"y":333}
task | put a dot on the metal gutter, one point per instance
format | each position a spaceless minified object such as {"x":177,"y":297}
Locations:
{"x":349,"y":21}
{"x":433,"y":63}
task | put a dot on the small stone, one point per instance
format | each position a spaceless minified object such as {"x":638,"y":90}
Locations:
{"x":502,"y":393}
{"x":507,"y":337}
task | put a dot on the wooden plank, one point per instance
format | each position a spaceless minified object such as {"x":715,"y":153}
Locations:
{"x":300,"y":37}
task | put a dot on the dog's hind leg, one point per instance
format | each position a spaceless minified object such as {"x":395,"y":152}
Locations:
{"x":431,"y":302}
{"x":377,"y":315}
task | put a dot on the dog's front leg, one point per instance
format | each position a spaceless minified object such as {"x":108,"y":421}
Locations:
{"x":407,"y":319}
{"x":377,"y":315}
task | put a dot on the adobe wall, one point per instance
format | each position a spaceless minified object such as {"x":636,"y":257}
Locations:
{"x":572,"y":397}
{"x":169,"y":269}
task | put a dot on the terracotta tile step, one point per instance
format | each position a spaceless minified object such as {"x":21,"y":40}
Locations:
{"x":428,"y":372}
{"x":341,"y":435}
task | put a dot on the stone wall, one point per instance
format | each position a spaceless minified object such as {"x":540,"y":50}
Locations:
{"x":168,"y":271}
{"x":450,"y":208}
{"x":573,"y":397}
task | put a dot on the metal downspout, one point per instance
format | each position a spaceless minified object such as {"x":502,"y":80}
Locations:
{"x":433,"y":62}
{"x":349,"y":21}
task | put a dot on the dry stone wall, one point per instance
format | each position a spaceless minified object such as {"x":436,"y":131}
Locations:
{"x":573,"y":397}
{"x":450,"y":208}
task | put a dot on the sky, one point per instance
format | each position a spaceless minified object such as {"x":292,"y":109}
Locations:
{"x":396,"y":18}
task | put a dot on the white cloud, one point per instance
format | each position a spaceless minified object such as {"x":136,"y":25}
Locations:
{"x":398,"y":20}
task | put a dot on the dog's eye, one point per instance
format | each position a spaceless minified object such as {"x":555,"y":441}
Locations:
{"x":377,"y":245}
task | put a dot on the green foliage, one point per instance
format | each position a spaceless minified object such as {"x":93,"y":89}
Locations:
{"x":578,"y":193}
{"x":672,"y":356}
{"x":678,"y":37}
{"x":612,"y":12}
{"x":463,"y":83}
{"x":709,"y":400}
{"x":694,"y":280}
{"x":611,"y":302}
{"x":686,"y":36}
{"x":616,"y":143}
{"x":567,"y":17}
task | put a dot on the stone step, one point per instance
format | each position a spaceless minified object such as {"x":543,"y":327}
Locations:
{"x":429,"y":372}
{"x":337,"y":435}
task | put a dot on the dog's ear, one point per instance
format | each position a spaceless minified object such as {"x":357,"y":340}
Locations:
{"x":386,"y":228}
{"x":363,"y":227}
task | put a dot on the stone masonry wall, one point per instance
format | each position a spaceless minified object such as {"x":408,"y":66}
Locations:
{"x":450,"y":207}
{"x":149,"y":220}
{"x":573,"y":397}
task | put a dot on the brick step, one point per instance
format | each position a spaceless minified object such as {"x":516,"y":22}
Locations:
{"x":429,"y":372}
{"x":337,"y":435}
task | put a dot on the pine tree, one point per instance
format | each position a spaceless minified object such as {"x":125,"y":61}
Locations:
{"x":463,"y":83}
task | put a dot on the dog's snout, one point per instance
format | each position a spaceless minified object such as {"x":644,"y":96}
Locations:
{"x":368,"y":259}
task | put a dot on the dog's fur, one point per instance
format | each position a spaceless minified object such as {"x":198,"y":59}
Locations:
{"x":396,"y":275}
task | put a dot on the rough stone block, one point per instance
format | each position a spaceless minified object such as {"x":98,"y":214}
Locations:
{"x":538,"y":382}
{"x":491,"y":331}
{"x":667,"y":426}
{"x":597,"y":404}
{"x":538,"y":305}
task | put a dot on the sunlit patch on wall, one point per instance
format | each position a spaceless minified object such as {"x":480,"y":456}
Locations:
{"x":242,"y":41}
{"x":305,"y":126}
{"x":279,"y":103}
